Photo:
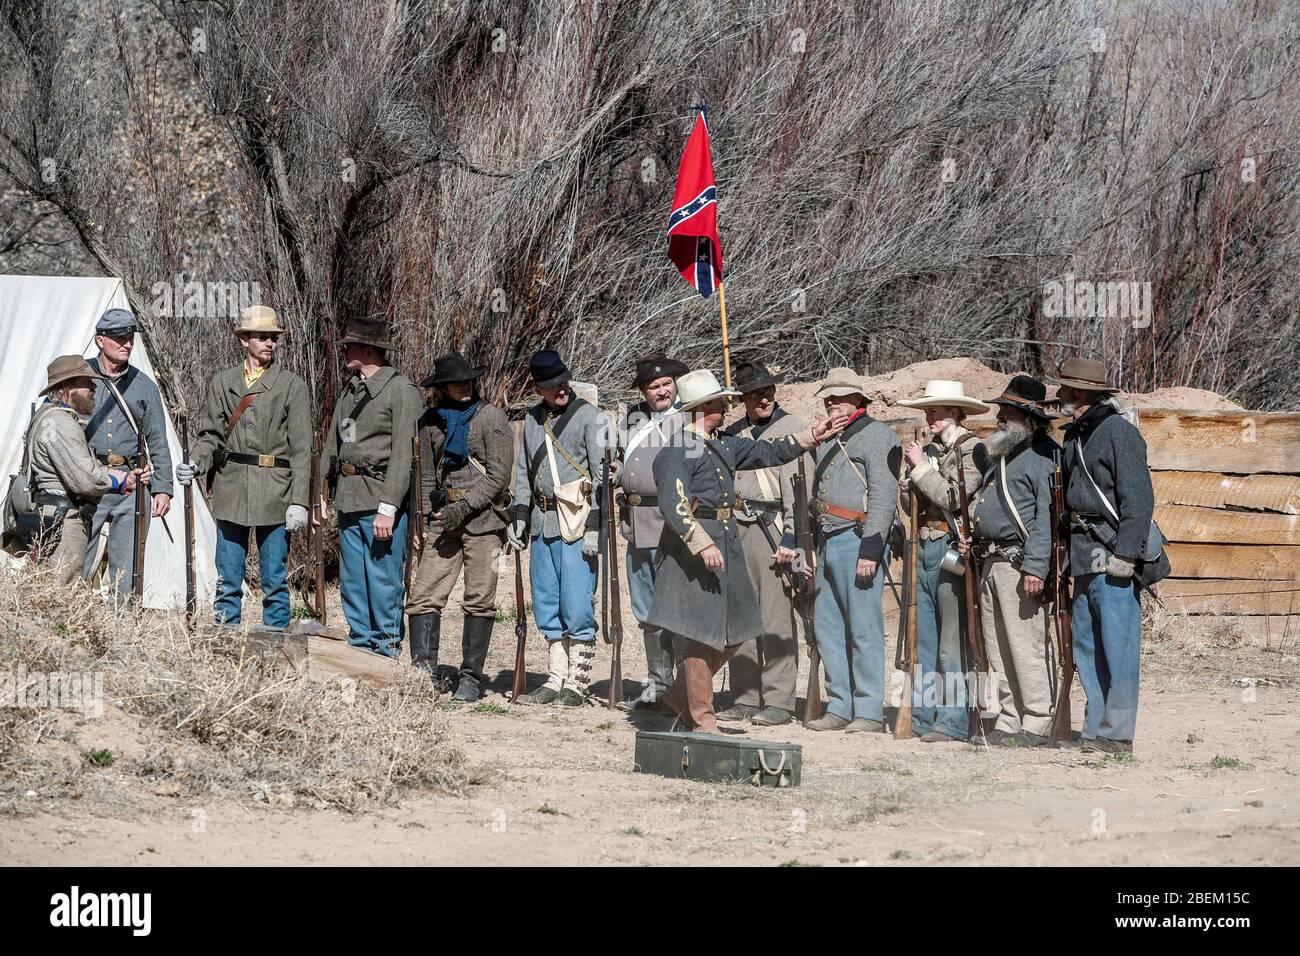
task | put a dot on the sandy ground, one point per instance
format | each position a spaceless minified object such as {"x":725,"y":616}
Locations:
{"x":559,"y":788}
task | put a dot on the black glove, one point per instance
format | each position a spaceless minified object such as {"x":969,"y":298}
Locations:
{"x":454,"y":515}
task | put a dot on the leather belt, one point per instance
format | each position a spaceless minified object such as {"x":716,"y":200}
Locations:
{"x":820,"y":507}
{"x":114,"y":460}
{"x":349,"y":469}
{"x":713,"y":514}
{"x":544,"y":502}
{"x":260,"y":461}
{"x":455,"y":494}
{"x":752,"y":505}
{"x":641,"y":501}
{"x":937,"y":526}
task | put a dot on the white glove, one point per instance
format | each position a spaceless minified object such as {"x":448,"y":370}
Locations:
{"x":590,"y":544}
{"x":1118,"y":567}
{"x":515,"y":534}
{"x":295,"y":518}
{"x":185,"y":472}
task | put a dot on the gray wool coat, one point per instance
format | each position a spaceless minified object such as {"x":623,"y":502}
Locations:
{"x":1029,"y":481}
{"x":1117,"y":459}
{"x":717,"y":609}
{"x":109,"y":432}
{"x":582,"y":430}
{"x":870,"y":449}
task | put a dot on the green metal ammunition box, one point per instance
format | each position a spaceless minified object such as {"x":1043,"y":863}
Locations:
{"x":764,"y":763}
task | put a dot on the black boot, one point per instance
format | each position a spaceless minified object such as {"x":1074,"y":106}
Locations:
{"x":423,"y":632}
{"x":474,"y":648}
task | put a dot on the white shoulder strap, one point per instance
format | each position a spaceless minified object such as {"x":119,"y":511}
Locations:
{"x":1011,"y":505}
{"x":550,"y":458}
{"x":1078,"y":451}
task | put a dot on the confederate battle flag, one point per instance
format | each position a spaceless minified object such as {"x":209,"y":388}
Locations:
{"x":693,"y":243}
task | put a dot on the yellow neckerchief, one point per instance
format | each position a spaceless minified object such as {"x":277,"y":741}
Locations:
{"x":251,"y":377}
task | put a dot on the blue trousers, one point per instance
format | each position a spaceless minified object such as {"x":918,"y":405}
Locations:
{"x":849,"y":623}
{"x":939,"y":702}
{"x":1107,"y":625}
{"x":370,"y":582}
{"x":272,"y":559}
{"x":563,"y":583}
{"x":659,"y":653}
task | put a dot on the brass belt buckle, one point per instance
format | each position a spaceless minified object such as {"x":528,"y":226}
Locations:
{"x":632,"y":500}
{"x":116,"y":461}
{"x":348,"y":468}
{"x":819,"y":507}
{"x":724,"y":514}
{"x":266,"y":461}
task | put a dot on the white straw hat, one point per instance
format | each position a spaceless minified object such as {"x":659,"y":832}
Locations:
{"x":696,"y":388}
{"x":941,"y":392}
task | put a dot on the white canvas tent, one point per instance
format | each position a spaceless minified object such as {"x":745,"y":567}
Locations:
{"x":42,"y":317}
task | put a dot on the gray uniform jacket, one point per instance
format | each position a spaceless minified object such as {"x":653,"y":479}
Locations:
{"x":60,"y":459}
{"x":938,"y":483}
{"x":582,"y":431}
{"x":1117,"y":459}
{"x":869,"y":448}
{"x":378,"y":439}
{"x":779,"y":425}
{"x":277,"y":423}
{"x":109,"y":431}
{"x":695,"y":478}
{"x":1029,"y":482}
{"x":642,"y":521}
{"x":492,"y":445}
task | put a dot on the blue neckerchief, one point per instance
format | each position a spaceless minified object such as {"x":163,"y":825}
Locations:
{"x":455,"y":421}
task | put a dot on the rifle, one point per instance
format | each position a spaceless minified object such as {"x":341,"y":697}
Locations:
{"x":316,"y":529}
{"x":415,"y":506}
{"x":974,"y":623}
{"x":805,"y":554}
{"x":907,"y":620}
{"x":521,"y":634}
{"x":141,"y":512}
{"x":190,"y":600}
{"x":611,"y":614}
{"x":1061,"y":606}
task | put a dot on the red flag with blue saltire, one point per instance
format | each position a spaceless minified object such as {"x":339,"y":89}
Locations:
{"x":693,"y":243}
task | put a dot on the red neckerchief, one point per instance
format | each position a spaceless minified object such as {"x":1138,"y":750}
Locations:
{"x":855,"y":416}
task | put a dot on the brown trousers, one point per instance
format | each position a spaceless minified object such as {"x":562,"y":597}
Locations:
{"x":691,"y":694}
{"x":764,"y":672}
{"x":440,"y":563}
{"x":70,"y":553}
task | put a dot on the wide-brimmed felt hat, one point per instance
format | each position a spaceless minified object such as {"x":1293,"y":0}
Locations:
{"x":259,"y":318}
{"x":941,"y":392}
{"x":117,"y":322}
{"x":751,"y":376}
{"x":1086,"y":374}
{"x":1026,"y":393}
{"x":67,"y":368}
{"x":701,"y":386}
{"x":370,"y":330}
{"x":657,"y":366}
{"x":451,"y":367}
{"x":548,"y":369}
{"x":839,"y":383}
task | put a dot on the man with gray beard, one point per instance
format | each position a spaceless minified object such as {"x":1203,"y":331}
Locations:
{"x":1012,"y":531}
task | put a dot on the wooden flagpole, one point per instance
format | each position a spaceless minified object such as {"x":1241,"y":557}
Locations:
{"x":726,"y":343}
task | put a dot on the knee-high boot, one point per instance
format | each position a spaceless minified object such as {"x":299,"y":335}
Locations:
{"x":474,"y":648}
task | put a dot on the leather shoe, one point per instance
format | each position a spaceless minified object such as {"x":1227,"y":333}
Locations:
{"x":543,"y":695}
{"x":771,"y":717}
{"x":738,"y":712}
{"x":937,"y":737}
{"x":571,"y":698}
{"x":828,"y":721}
{"x":860,"y":725}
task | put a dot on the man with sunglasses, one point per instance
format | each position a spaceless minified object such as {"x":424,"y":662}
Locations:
{"x":128,"y":400}
{"x":255,"y":440}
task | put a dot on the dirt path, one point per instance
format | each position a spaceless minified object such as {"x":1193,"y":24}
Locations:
{"x":560,"y":789}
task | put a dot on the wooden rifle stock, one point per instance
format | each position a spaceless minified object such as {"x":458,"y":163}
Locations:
{"x":415,"y":499}
{"x":521,"y":633}
{"x":903,"y":718}
{"x":804,"y":544}
{"x":612,"y":614}
{"x":1061,"y":722}
{"x":316,"y":529}
{"x":974,"y":622}
{"x":190,"y":598}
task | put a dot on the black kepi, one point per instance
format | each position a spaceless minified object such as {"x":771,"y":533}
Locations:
{"x":657,"y":366}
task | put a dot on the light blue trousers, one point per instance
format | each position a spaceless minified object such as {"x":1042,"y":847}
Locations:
{"x":563,"y":583}
{"x":849,"y":623}
{"x":1106,"y":618}
{"x":370,"y":582}
{"x":940,"y":699}
{"x":659,"y":655}
{"x":272,"y":557}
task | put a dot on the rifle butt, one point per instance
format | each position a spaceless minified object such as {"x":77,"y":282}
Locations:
{"x":520,"y":684}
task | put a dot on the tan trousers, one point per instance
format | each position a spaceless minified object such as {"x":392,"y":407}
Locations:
{"x":440,"y":563}
{"x":691,"y":694}
{"x":764,"y":672}
{"x":70,"y":554}
{"x":1022,"y":656}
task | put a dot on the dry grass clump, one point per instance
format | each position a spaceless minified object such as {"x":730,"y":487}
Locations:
{"x":213,"y":723}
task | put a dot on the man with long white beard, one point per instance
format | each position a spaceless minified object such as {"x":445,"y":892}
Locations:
{"x":1012,"y":531}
